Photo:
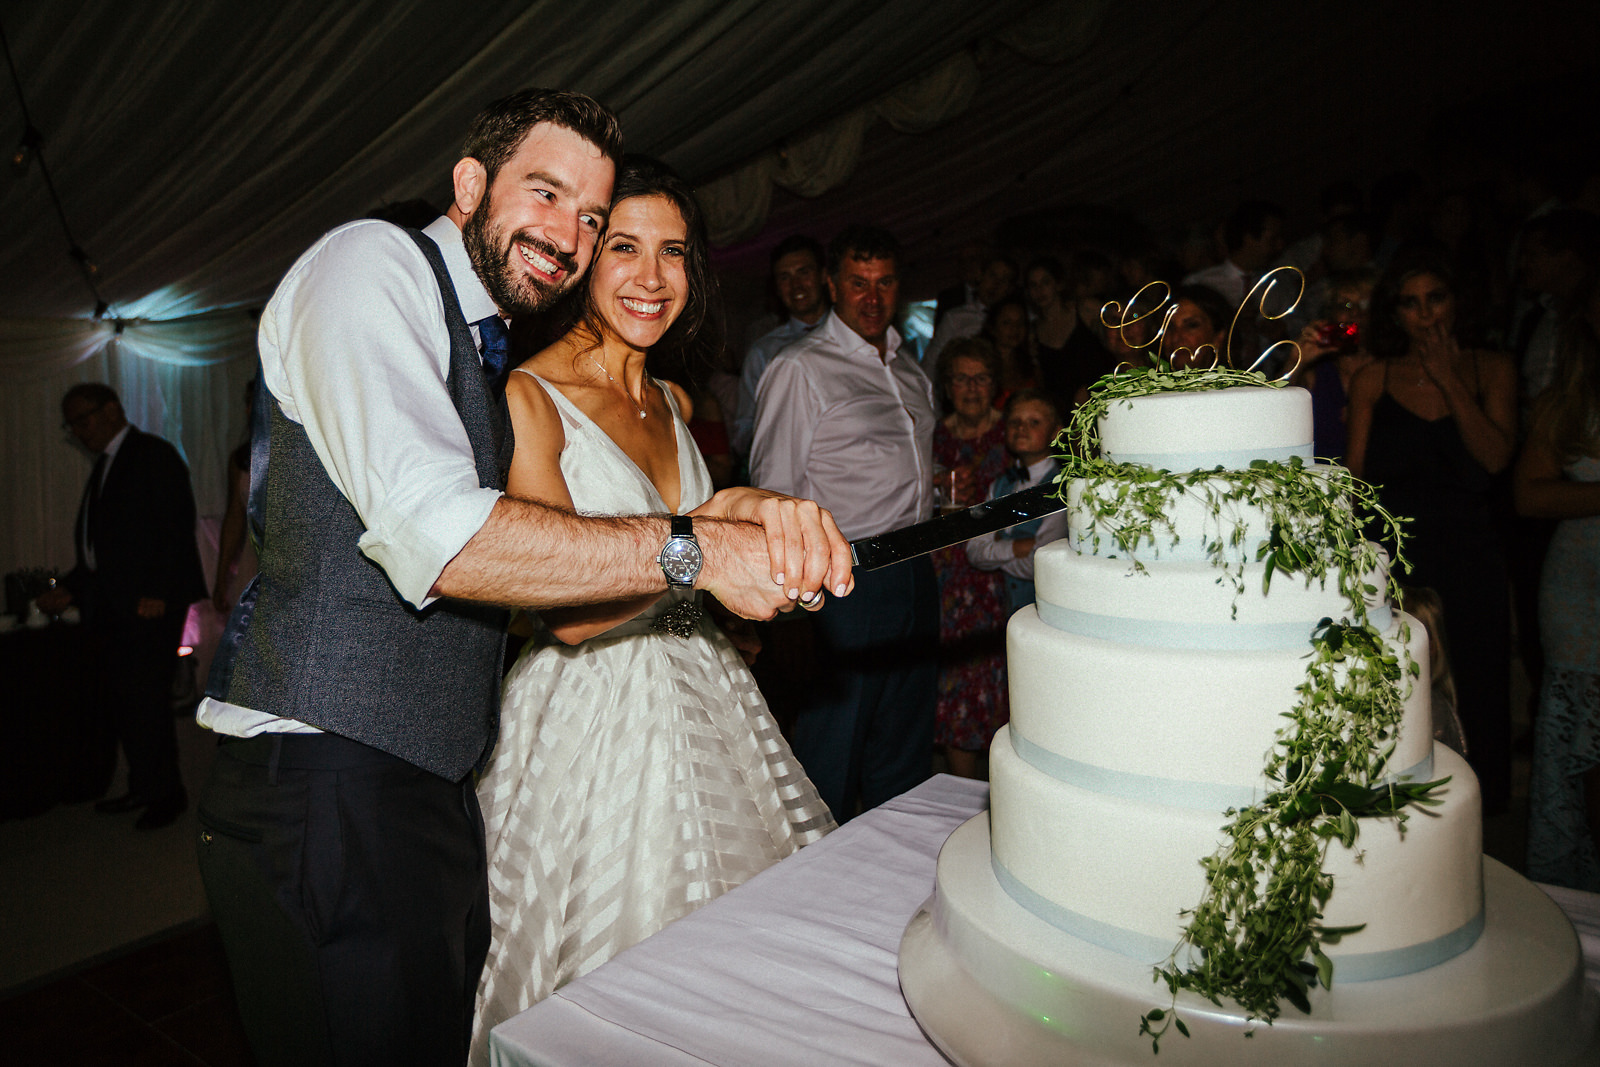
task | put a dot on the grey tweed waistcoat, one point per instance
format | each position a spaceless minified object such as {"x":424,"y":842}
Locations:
{"x":329,"y":642}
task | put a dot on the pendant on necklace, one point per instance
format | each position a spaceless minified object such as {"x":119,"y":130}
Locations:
{"x":601,"y":368}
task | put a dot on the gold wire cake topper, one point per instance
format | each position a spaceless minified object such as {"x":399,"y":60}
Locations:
{"x":1116,"y":316}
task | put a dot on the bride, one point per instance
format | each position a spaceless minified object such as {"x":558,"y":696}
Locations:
{"x":638,"y":772}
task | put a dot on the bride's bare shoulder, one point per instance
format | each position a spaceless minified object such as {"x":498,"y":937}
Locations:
{"x":681,"y":396}
{"x":530,"y":405}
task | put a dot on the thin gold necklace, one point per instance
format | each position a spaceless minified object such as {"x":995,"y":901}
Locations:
{"x":601,"y":368}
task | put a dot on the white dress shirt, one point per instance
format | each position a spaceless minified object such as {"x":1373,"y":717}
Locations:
{"x":838,"y":423}
{"x":354,"y":348}
{"x":957,"y":323}
{"x":756,"y":360}
{"x":1225,"y":277}
{"x":991,"y":551}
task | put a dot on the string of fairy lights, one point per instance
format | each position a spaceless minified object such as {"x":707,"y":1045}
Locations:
{"x":30,"y":148}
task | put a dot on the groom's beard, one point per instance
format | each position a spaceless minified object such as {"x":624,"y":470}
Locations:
{"x":501,"y":268}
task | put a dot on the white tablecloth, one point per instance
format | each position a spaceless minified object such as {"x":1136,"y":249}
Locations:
{"x":797,"y":966}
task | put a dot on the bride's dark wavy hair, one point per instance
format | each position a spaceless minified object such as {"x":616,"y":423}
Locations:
{"x":696,"y":334}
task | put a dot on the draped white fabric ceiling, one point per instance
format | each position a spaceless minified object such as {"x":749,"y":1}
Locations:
{"x":198,"y":147}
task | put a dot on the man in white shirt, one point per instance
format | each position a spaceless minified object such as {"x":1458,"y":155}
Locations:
{"x":845,"y":416}
{"x":998,"y":281}
{"x":1252,"y":235}
{"x":357,"y":683}
{"x":797,"y":277}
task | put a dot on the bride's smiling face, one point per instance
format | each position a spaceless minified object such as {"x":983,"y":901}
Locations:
{"x":638,"y":283}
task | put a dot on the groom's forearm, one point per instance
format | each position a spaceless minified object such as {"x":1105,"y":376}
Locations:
{"x":535,"y":555}
{"x":530,"y":554}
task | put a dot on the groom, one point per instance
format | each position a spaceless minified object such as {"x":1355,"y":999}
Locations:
{"x":358,"y":685}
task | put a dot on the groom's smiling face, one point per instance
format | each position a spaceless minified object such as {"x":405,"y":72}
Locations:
{"x":532,"y":230}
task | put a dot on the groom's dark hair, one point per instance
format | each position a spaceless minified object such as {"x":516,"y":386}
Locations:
{"x":499,"y":128}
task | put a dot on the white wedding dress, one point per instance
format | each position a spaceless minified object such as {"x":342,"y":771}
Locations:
{"x":637,"y":775}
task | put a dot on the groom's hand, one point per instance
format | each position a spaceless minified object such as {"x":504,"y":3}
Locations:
{"x":807,"y":557}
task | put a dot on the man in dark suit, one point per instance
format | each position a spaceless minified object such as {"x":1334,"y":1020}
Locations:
{"x":138,"y":570}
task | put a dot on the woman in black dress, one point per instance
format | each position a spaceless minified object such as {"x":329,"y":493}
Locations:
{"x":1069,"y":350}
{"x":1433,"y":424}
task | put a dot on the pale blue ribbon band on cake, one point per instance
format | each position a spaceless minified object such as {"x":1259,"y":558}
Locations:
{"x":1202,"y":461}
{"x":1125,"y":785}
{"x":1174,"y":792}
{"x":1360,"y":967}
{"x":1135,"y":946}
{"x":1374,"y":966}
{"x":1165,"y":633}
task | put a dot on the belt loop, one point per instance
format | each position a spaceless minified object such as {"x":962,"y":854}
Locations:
{"x":272,"y":761}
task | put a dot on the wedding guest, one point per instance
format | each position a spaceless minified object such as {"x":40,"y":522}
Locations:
{"x":845,"y":415}
{"x":1558,"y":477}
{"x":970,"y":443}
{"x":137,"y":571}
{"x":1032,"y":422}
{"x":997,"y":282}
{"x":1423,"y":605}
{"x":1252,"y":238}
{"x":1431,"y":424}
{"x":1197,"y":333}
{"x":971,"y":257}
{"x":1558,"y":260}
{"x":1347,"y":244}
{"x":1006,"y":327}
{"x":798,"y":281}
{"x":1067,"y":344}
{"x":231,"y":539}
{"x":1332,"y":351}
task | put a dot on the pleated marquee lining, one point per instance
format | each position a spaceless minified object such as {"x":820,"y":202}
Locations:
{"x":637,"y":776}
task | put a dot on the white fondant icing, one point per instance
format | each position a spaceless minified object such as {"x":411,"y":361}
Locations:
{"x":1188,"y":527}
{"x":1198,"y":430}
{"x":1191,"y":715}
{"x":1134,"y":865}
{"x":1197,"y":593}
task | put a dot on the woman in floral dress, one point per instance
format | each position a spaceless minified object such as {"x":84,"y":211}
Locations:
{"x":969,"y":452}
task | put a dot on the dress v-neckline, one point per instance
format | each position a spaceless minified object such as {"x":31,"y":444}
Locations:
{"x":1415,"y":415}
{"x":593,"y":427}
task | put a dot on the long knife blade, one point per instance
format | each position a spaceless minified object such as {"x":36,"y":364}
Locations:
{"x":908,"y":542}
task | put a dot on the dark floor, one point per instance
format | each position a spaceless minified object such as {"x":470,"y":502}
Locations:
{"x":165,"y":1004}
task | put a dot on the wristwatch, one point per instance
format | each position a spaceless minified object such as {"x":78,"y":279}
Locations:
{"x":680,"y":557}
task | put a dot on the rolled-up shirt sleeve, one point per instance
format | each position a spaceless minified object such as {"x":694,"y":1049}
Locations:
{"x":356,"y":350}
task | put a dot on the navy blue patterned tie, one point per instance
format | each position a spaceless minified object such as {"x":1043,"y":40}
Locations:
{"x":496,"y":345}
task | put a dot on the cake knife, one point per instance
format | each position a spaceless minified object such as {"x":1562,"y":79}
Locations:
{"x":908,"y":542}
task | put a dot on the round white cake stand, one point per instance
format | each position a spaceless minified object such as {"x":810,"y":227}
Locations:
{"x":992,"y":984}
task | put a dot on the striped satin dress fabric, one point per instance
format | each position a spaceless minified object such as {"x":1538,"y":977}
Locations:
{"x":637,"y":775}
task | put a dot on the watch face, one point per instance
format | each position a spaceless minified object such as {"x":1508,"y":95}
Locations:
{"x":680,"y":559}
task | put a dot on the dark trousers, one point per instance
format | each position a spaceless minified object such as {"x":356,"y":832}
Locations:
{"x":350,"y":891}
{"x":134,"y":663}
{"x":864,"y":728}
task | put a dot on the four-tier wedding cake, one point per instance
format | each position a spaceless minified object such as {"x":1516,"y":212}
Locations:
{"x":1154,"y":690}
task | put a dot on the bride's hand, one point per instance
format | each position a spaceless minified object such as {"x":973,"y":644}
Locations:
{"x":807,"y":554}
